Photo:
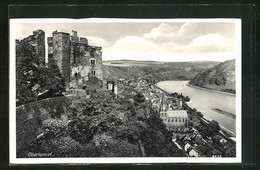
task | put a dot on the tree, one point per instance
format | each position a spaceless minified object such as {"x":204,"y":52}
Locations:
{"x":154,"y":143}
{"x":199,"y":114}
{"x":79,"y":131}
{"x":187,"y":99}
{"x":93,"y":83}
{"x":26,"y":72}
{"x":213,"y":127}
{"x":157,"y":124}
{"x":32,"y":76}
{"x":65,"y":146}
{"x":231,"y":151}
{"x":139,"y":98}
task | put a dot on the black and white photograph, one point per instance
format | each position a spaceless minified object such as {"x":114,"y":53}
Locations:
{"x":100,"y":90}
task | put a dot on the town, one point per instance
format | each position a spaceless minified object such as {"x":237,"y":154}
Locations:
{"x":195,"y":135}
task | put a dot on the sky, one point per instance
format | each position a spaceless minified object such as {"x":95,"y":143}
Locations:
{"x":158,"y":40}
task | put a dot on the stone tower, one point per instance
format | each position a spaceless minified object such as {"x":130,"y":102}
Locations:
{"x":75,"y":58}
{"x":60,"y":54}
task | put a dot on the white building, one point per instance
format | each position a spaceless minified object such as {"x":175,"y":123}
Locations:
{"x":174,"y":118}
{"x":193,"y":153}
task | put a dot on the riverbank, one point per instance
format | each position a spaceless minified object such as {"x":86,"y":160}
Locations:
{"x":211,"y":90}
{"x":161,"y":89}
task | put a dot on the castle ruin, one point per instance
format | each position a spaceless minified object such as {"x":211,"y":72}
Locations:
{"x":37,"y":40}
{"x":75,"y":58}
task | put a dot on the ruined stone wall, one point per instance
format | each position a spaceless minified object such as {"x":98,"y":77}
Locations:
{"x":29,"y":118}
{"x":37,"y":40}
{"x":81,"y":67}
{"x":98,"y":67}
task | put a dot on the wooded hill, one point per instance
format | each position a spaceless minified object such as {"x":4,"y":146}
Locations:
{"x":97,"y":125}
{"x":220,"y":77}
{"x":158,"y":71}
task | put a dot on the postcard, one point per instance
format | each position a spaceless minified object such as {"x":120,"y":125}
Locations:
{"x":119,"y":90}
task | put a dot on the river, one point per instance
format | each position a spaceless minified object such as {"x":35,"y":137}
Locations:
{"x":204,"y":101}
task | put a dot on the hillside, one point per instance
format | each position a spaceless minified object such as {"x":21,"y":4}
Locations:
{"x":157,"y":71}
{"x":220,"y":77}
{"x":93,"y":124}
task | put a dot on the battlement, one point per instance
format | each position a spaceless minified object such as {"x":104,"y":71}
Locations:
{"x":74,"y":38}
{"x":83,"y":40}
{"x":60,"y":32}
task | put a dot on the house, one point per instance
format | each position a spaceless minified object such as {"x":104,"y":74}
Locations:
{"x":193,"y":153}
{"x":223,"y":141}
{"x":187,"y":146}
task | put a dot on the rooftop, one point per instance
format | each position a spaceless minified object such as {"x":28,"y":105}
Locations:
{"x":176,"y":113}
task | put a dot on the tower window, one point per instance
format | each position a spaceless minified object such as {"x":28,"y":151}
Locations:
{"x":92,"y":62}
{"x":74,"y":55}
{"x":93,"y":73}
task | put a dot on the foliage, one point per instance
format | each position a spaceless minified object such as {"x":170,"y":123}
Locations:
{"x":32,"y":76}
{"x":65,"y":146}
{"x":93,"y":83}
{"x":55,"y":126}
{"x":199,"y":114}
{"x":220,"y":77}
{"x":101,"y":125}
{"x":213,"y":127}
{"x":139,"y":98}
{"x":230,"y":151}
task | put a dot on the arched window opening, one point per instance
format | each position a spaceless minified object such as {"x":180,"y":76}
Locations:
{"x":93,"y":73}
{"x":74,"y":55}
{"x":92,"y":62}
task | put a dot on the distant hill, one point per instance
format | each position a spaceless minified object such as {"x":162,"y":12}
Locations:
{"x":157,"y":71}
{"x":220,"y":77}
{"x":127,"y":63}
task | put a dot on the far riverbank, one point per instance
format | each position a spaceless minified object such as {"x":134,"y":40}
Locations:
{"x":211,"y":90}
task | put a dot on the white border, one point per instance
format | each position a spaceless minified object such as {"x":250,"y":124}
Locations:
{"x":137,"y":160}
